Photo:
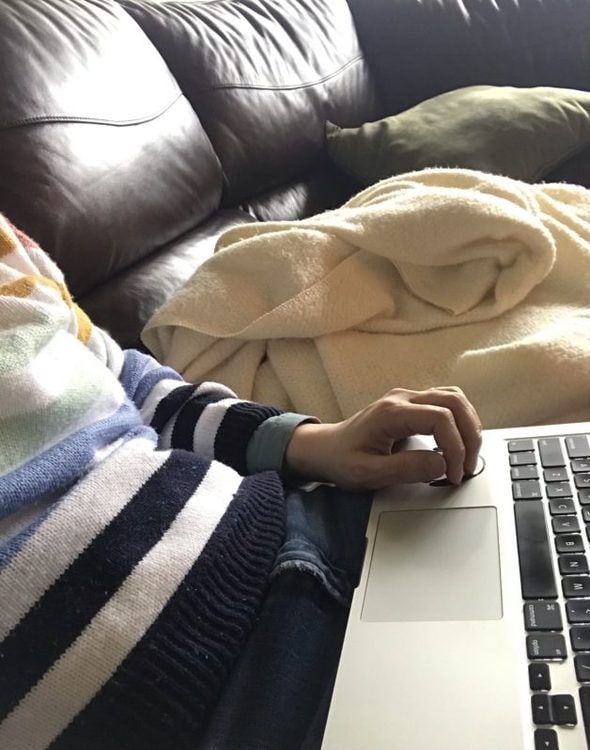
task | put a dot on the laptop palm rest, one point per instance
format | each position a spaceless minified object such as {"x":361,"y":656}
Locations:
{"x":434,"y":565}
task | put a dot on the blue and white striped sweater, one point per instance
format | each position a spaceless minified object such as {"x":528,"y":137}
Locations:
{"x":219,"y":534}
{"x":133,"y":553}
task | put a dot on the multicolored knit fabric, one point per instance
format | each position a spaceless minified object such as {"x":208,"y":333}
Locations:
{"x":133,"y":553}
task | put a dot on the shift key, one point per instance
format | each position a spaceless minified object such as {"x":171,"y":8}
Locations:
{"x":534,"y":554}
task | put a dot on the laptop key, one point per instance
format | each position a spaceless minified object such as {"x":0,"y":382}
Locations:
{"x":534,"y":554}
{"x":563,"y":710}
{"x":582,"y":664}
{"x":577,"y":446}
{"x":542,"y":616}
{"x":555,"y":475}
{"x":559,"y":489}
{"x":539,"y":676}
{"x":541,"y":708}
{"x":576,"y":586}
{"x":564,"y":506}
{"x":582,"y":481}
{"x":529,"y":489}
{"x":580,"y":464}
{"x":520,"y":459}
{"x":546,"y":739}
{"x":528,"y":471}
{"x":546,"y":646}
{"x":565,"y":524}
{"x":584,"y":496}
{"x":580,"y":637}
{"x":572,"y":563}
{"x":517,"y":446}
{"x":551,"y":453}
{"x":578,"y":610}
{"x":569,"y":543}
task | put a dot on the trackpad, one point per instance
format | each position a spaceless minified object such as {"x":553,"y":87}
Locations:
{"x":435,"y":564}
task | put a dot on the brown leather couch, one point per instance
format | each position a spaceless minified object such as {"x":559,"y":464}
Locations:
{"x":133,"y":133}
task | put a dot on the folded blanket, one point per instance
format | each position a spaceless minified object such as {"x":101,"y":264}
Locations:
{"x":442,"y":276}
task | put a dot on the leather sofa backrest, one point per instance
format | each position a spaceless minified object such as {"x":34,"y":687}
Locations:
{"x":102,"y":158}
{"x":417,"y":49}
{"x":263,"y":76}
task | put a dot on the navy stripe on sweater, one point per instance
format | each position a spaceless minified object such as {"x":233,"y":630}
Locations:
{"x":163,"y":692}
{"x":58,"y":617}
{"x":184,"y":426}
{"x":170,"y":404}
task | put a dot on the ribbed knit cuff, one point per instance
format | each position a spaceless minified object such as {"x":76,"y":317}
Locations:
{"x":235,"y":432}
{"x":266,"y":449}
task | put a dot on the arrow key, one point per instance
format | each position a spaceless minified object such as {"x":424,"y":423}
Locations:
{"x":546,"y":739}
{"x":541,"y":707}
{"x":564,"y":710}
{"x":539,"y":676}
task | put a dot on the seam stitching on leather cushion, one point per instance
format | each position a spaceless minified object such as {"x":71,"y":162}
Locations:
{"x":42,"y":119}
{"x":283,"y":87}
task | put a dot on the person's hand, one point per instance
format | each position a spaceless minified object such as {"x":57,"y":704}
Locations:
{"x":360,"y":452}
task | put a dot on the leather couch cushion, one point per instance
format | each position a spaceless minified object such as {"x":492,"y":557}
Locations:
{"x":125,"y":304}
{"x":322,"y":188}
{"x":102,"y":157}
{"x":419,"y":49}
{"x":263,"y":76}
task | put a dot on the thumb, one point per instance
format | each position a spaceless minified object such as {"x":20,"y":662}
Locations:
{"x":407,"y":467}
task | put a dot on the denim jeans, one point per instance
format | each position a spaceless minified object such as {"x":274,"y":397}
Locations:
{"x":278,"y":694}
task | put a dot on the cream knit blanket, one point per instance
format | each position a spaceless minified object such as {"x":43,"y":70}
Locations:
{"x":437,"y":277}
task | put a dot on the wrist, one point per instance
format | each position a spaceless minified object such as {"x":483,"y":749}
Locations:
{"x":305,"y":453}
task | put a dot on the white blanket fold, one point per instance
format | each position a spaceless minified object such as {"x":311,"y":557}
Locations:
{"x":436,"y":277}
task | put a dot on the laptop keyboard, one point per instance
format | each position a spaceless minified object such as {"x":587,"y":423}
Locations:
{"x":551,"y":491}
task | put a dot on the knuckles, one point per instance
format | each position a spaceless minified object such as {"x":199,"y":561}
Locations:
{"x":397,"y":393}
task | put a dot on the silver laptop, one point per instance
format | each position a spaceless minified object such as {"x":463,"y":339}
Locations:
{"x":470,"y":627}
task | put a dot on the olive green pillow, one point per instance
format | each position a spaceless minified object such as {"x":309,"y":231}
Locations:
{"x":518,"y":132}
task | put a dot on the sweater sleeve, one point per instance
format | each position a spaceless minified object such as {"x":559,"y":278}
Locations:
{"x":206,"y":418}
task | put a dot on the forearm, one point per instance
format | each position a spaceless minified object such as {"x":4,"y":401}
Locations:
{"x":207,"y":419}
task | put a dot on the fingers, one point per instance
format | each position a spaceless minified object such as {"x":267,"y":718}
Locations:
{"x":430,"y":419}
{"x":361,"y":456}
{"x":403,"y":468}
{"x":445,"y":413}
{"x":465,"y":417}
